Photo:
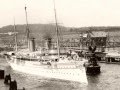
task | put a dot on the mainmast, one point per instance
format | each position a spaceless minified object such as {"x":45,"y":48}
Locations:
{"x":27,"y":27}
{"x":16,"y":48}
{"x":57,"y":33}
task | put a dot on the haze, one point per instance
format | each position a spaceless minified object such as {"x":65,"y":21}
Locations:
{"x":71,"y":13}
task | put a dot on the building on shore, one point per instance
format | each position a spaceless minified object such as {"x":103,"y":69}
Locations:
{"x":80,"y":41}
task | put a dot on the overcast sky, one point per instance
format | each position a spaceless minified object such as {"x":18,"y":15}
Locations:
{"x":73,"y":13}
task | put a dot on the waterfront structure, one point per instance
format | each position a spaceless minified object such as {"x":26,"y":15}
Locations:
{"x":112,"y":56}
{"x":81,"y":41}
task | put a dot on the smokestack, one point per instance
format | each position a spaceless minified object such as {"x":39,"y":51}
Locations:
{"x":32,"y":44}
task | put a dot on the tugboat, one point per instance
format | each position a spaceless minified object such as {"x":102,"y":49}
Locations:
{"x":92,"y":67}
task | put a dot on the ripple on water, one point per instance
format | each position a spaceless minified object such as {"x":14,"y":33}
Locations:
{"x":32,"y":82}
{"x":108,"y":80}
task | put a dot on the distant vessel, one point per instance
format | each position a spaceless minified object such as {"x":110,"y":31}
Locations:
{"x":112,"y":57}
{"x":53,"y":65}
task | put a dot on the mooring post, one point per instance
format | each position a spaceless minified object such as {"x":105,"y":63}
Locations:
{"x":2,"y":74}
{"x":13,"y":85}
{"x":7,"y":79}
{"x":23,"y":88}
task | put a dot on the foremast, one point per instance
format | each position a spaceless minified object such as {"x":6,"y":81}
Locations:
{"x":27,"y":27}
{"x":57,"y":32}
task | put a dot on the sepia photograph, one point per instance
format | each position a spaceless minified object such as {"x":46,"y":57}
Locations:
{"x":59,"y":44}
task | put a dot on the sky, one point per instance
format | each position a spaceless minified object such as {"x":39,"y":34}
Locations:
{"x":70,"y":13}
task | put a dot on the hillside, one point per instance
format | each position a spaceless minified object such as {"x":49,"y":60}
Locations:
{"x":40,"y":31}
{"x":43,"y":29}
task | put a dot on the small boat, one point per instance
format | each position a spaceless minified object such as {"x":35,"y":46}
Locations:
{"x":92,"y":67}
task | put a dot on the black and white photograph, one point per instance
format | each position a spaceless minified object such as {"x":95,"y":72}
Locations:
{"x":59,"y":44}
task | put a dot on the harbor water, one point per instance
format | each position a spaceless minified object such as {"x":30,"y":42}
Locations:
{"x":109,"y":79}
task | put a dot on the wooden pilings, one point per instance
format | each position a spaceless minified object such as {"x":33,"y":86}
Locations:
{"x":111,"y":60}
{"x":12,"y":84}
{"x":7,"y":79}
{"x":2,"y":74}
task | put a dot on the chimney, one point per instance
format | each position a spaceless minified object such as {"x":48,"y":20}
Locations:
{"x":32,"y":44}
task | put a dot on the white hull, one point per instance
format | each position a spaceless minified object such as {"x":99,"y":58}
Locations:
{"x":64,"y":73}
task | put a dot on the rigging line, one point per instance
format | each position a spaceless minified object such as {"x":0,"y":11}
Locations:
{"x":15,"y":36}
